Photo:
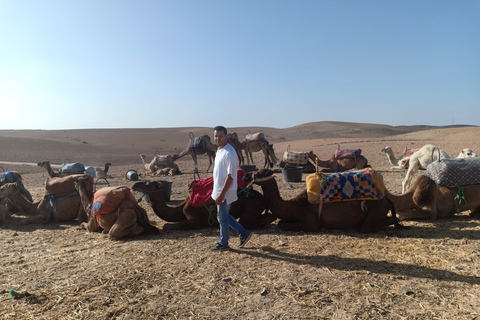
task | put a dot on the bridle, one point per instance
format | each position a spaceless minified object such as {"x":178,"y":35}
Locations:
{"x":145,"y":192}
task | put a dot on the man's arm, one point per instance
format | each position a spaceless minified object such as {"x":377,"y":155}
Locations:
{"x":226,"y":185}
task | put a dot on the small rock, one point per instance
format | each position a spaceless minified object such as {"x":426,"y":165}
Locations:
{"x":407,"y":291}
{"x":227,"y":279}
{"x":264,"y":292}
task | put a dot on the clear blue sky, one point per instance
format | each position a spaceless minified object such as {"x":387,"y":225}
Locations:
{"x":151,"y":64}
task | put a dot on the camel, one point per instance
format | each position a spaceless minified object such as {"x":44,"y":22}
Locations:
{"x":427,"y":200}
{"x":339,"y":165}
{"x":158,"y":163}
{"x":397,"y":163}
{"x":232,"y":139}
{"x":466,"y":153}
{"x":129,"y":219}
{"x":248,"y":209}
{"x":298,"y":214}
{"x":420,"y":160}
{"x":6,"y":192}
{"x":261,"y":144}
{"x":198,"y":146}
{"x":52,"y":173}
{"x":102,"y":173}
{"x":60,"y":202}
{"x":14,"y":176}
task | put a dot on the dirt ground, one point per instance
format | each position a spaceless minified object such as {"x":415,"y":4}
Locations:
{"x":429,"y":271}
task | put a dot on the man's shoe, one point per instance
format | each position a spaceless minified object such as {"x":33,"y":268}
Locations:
{"x":219,"y":248}
{"x":244,"y":240}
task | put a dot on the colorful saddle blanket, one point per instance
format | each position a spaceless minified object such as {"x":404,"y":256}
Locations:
{"x":365,"y":184}
{"x":63,"y":186}
{"x":108,"y":199}
{"x":201,"y":190}
{"x":10,"y":176}
{"x":347,"y":153}
{"x":295,"y":157}
{"x":72,"y":168}
{"x":455,"y":172}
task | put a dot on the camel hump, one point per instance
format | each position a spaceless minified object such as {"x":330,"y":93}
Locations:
{"x":66,"y":185}
{"x":347,"y":153}
{"x":255,"y":136}
{"x":108,"y":199}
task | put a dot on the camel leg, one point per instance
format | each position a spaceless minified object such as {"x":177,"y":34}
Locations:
{"x":91,"y":225}
{"x":376,"y":216}
{"x":191,"y":222}
{"x":253,"y":222}
{"x":125,"y":225}
{"x":412,"y":170}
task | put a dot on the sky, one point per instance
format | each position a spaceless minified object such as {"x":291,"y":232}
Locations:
{"x":238,"y":63}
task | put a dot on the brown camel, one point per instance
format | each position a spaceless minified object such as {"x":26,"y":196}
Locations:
{"x":129,"y":219}
{"x":232,"y":139}
{"x":103,"y":173}
{"x":298,"y":214}
{"x":198,"y":146}
{"x":261,"y":144}
{"x":248,"y":209}
{"x":60,"y":202}
{"x":427,"y":200}
{"x":52,"y":173}
{"x":339,"y":165}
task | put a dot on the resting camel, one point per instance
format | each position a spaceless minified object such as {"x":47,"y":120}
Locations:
{"x":48,"y":167}
{"x":14,"y":176}
{"x":102,"y":173}
{"x":467,"y":153}
{"x":6,"y":192}
{"x":60,"y":202}
{"x":427,"y":200}
{"x":197,"y":146}
{"x":249,"y":210}
{"x":262,"y":144}
{"x":339,"y":165}
{"x":298,"y":214}
{"x":160,"y":165}
{"x":420,"y":160}
{"x":129,"y":219}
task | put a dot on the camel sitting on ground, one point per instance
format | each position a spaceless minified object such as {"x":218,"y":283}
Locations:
{"x":128,"y":219}
{"x":397,"y":162}
{"x":420,"y":160}
{"x":6,"y":192}
{"x":160,"y":165}
{"x":340,"y":164}
{"x":102,"y":173}
{"x":248,"y":209}
{"x":427,"y":200}
{"x":257,"y":145}
{"x":298,"y":214}
{"x":61,"y":202}
{"x":466,"y":153}
{"x":197,"y":146}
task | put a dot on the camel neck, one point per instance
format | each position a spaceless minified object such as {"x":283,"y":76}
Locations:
{"x":273,"y":198}
{"x":164,"y":211}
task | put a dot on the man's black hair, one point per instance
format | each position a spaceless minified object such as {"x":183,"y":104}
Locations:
{"x":220,"y":128}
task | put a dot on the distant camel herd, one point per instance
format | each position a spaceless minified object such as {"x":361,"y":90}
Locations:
{"x":70,"y":195}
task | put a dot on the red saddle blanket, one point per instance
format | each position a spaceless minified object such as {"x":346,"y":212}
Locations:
{"x":66,"y":185}
{"x":408,"y":153}
{"x":108,"y":199}
{"x":347,"y":153}
{"x":201,"y":190}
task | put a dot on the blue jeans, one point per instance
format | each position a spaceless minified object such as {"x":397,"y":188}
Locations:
{"x":226,"y":221}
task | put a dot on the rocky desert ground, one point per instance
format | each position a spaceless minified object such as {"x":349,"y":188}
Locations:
{"x":429,"y":271}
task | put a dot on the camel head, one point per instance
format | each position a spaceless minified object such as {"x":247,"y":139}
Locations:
{"x":467,"y":153}
{"x":147,"y":186}
{"x":271,"y":153}
{"x":258,"y":176}
{"x":143,"y":156}
{"x":43,"y":164}
{"x":386,"y":149}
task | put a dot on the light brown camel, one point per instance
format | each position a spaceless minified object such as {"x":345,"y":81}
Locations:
{"x":420,"y":160}
{"x":339,"y":165}
{"x":427,"y":200}
{"x":260,"y":144}
{"x":466,"y":153}
{"x":160,"y":165}
{"x":52,"y":173}
{"x":248,"y":209}
{"x":61,"y":202}
{"x":129,"y":219}
{"x":298,"y":214}
{"x":6,"y":192}
{"x":197,"y":146}
{"x":103,"y":173}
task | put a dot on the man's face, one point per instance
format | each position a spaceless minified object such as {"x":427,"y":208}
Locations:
{"x":220,"y":138}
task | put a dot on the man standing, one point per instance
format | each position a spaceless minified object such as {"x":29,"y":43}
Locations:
{"x":225,"y":190}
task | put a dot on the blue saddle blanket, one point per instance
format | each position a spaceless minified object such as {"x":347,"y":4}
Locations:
{"x":73,"y":168}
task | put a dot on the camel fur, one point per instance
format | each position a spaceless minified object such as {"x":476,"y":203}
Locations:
{"x":257,"y":145}
{"x":160,"y":165}
{"x":129,"y":219}
{"x":102,"y":173}
{"x":298,"y":214}
{"x":466,"y":153}
{"x":427,"y":200}
{"x":6,"y":192}
{"x":420,"y":160}
{"x":339,"y":165}
{"x":249,"y":210}
{"x":232,"y":139}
